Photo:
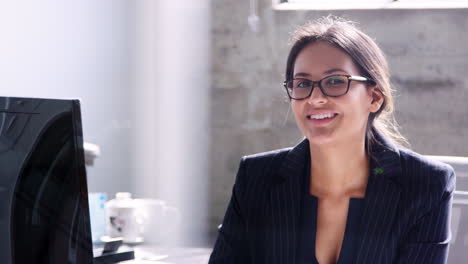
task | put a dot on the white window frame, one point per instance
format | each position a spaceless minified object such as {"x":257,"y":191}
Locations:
{"x":366,"y":4}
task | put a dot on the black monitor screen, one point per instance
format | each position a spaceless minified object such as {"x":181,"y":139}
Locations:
{"x":44,"y":215}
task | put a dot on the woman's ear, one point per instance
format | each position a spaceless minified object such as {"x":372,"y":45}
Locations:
{"x":377,"y":98}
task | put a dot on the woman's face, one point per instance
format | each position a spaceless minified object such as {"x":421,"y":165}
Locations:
{"x":350,"y":111}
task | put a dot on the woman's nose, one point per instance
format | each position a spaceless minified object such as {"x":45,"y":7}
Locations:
{"x":317,"y":97}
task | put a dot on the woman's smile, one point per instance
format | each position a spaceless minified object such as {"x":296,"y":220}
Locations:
{"x":321,"y":120}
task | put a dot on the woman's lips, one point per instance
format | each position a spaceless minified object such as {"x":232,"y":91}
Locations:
{"x":321,"y":122}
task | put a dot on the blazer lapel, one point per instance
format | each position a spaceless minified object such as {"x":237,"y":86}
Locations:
{"x":284,"y":205}
{"x":381,"y":204}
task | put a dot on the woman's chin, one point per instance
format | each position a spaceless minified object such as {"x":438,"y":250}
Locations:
{"x":321,"y":140}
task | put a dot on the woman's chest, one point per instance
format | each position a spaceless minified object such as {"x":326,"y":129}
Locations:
{"x":276,"y":233}
{"x":331,"y":226}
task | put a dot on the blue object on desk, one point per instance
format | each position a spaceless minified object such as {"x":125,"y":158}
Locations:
{"x":97,"y":213}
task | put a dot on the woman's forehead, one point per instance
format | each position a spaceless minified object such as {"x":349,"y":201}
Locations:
{"x":321,"y":58}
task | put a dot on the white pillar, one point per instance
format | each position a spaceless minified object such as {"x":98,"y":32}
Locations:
{"x":172,"y":131}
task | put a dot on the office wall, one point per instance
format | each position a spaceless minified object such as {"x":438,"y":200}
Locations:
{"x":76,"y":49}
{"x":428,"y":61}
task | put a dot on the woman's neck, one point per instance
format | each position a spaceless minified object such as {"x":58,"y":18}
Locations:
{"x":339,"y":171}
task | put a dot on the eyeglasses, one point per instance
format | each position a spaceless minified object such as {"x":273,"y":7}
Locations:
{"x":333,"y":86}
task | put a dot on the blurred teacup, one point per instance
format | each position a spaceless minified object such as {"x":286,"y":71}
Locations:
{"x":138,"y":220}
{"x":161,"y":222}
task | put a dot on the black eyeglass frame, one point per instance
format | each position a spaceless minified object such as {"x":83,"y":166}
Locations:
{"x":319,"y":84}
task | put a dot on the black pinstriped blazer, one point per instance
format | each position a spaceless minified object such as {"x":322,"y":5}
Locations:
{"x":406,"y":213}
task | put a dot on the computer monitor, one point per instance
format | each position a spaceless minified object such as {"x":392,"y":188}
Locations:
{"x":44,"y":213}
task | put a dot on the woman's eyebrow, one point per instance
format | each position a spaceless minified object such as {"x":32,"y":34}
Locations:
{"x":333,"y":70}
{"x":304,"y":74}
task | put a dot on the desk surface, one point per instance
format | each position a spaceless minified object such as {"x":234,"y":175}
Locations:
{"x":167,"y":255}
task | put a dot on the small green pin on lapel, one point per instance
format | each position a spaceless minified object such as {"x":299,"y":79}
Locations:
{"x":378,"y":171}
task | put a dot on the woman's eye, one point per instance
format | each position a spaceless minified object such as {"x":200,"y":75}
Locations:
{"x":334,"y":81}
{"x":303,"y":84}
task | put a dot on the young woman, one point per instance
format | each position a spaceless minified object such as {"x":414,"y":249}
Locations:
{"x":348,"y":193}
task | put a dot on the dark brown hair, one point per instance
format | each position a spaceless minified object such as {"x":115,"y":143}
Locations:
{"x":366,"y":55}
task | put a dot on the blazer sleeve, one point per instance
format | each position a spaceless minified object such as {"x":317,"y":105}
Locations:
{"x":231,"y":244}
{"x":429,"y":237}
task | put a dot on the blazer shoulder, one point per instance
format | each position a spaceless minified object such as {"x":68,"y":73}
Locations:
{"x":255,"y":166}
{"x":419,"y":170}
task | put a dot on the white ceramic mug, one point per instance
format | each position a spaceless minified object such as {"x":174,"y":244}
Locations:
{"x":125,"y":218}
{"x":136,"y":220}
{"x":161,"y":220}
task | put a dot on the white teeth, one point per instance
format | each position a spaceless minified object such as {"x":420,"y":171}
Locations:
{"x":321,"y":116}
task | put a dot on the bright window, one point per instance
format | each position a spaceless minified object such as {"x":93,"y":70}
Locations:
{"x":367,"y":4}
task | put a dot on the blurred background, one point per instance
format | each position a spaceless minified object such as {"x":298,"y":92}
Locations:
{"x":175,"y":92}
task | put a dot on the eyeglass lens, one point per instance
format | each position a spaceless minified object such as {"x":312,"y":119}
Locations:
{"x":331,"y":86}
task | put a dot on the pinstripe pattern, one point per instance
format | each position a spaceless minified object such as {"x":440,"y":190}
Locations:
{"x":405,"y":219}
